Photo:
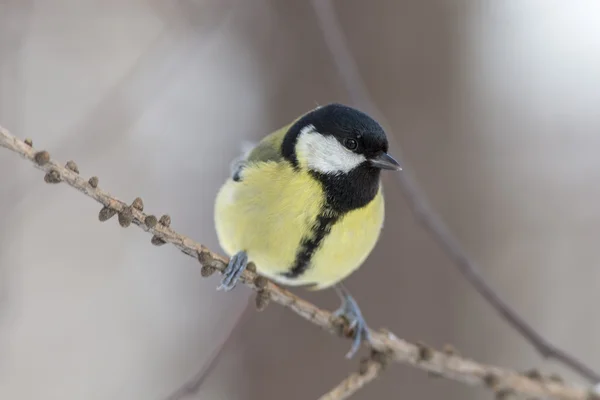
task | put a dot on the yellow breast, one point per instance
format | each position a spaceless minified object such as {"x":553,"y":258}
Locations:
{"x":348,"y":244}
{"x":273,"y":208}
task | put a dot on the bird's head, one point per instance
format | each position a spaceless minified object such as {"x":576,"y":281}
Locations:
{"x":335,"y":140}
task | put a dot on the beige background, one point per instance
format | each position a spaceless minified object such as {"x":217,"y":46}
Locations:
{"x":494,"y":104}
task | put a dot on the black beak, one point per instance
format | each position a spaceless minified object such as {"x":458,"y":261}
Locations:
{"x":385,"y":161}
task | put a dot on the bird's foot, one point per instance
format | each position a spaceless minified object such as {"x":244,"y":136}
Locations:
{"x":351,"y":312}
{"x":233,"y":271}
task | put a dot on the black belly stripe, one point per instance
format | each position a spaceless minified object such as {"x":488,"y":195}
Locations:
{"x":309,"y":245}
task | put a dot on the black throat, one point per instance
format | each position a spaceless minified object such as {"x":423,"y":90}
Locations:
{"x":344,"y":193}
{"x":347,"y":192}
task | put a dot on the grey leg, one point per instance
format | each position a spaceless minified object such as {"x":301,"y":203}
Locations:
{"x":350,"y":311}
{"x":235,"y":268}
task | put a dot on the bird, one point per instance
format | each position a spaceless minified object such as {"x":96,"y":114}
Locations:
{"x":306,"y":205}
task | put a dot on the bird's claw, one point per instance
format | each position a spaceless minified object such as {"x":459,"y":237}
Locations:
{"x":233,"y":271}
{"x":350,"y":311}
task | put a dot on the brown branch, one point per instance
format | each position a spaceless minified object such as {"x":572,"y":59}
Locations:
{"x":370,"y":369}
{"x":348,"y":69}
{"x":419,"y":356}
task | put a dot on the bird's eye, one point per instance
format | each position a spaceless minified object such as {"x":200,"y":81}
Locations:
{"x":351,"y":144}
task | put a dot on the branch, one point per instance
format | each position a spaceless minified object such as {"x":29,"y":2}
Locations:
{"x":369,"y":371}
{"x":192,"y":385}
{"x":446,"y":365}
{"x":346,"y":65}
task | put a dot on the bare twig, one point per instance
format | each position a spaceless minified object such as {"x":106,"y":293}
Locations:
{"x":369,"y":371}
{"x":445,"y":365}
{"x":346,"y":65}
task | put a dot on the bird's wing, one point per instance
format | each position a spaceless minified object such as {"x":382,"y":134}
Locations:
{"x":268,"y":149}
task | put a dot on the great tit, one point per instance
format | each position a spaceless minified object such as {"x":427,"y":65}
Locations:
{"x":306,"y":204}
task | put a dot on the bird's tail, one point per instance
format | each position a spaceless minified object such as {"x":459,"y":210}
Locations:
{"x":238,"y":163}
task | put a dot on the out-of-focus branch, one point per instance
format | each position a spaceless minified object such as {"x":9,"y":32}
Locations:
{"x":192,"y":385}
{"x":346,"y":65}
{"x":419,"y":356}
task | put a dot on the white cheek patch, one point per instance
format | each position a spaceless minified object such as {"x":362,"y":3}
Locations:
{"x":324,"y":153}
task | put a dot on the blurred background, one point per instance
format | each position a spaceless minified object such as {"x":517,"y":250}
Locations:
{"x":494,"y":106}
